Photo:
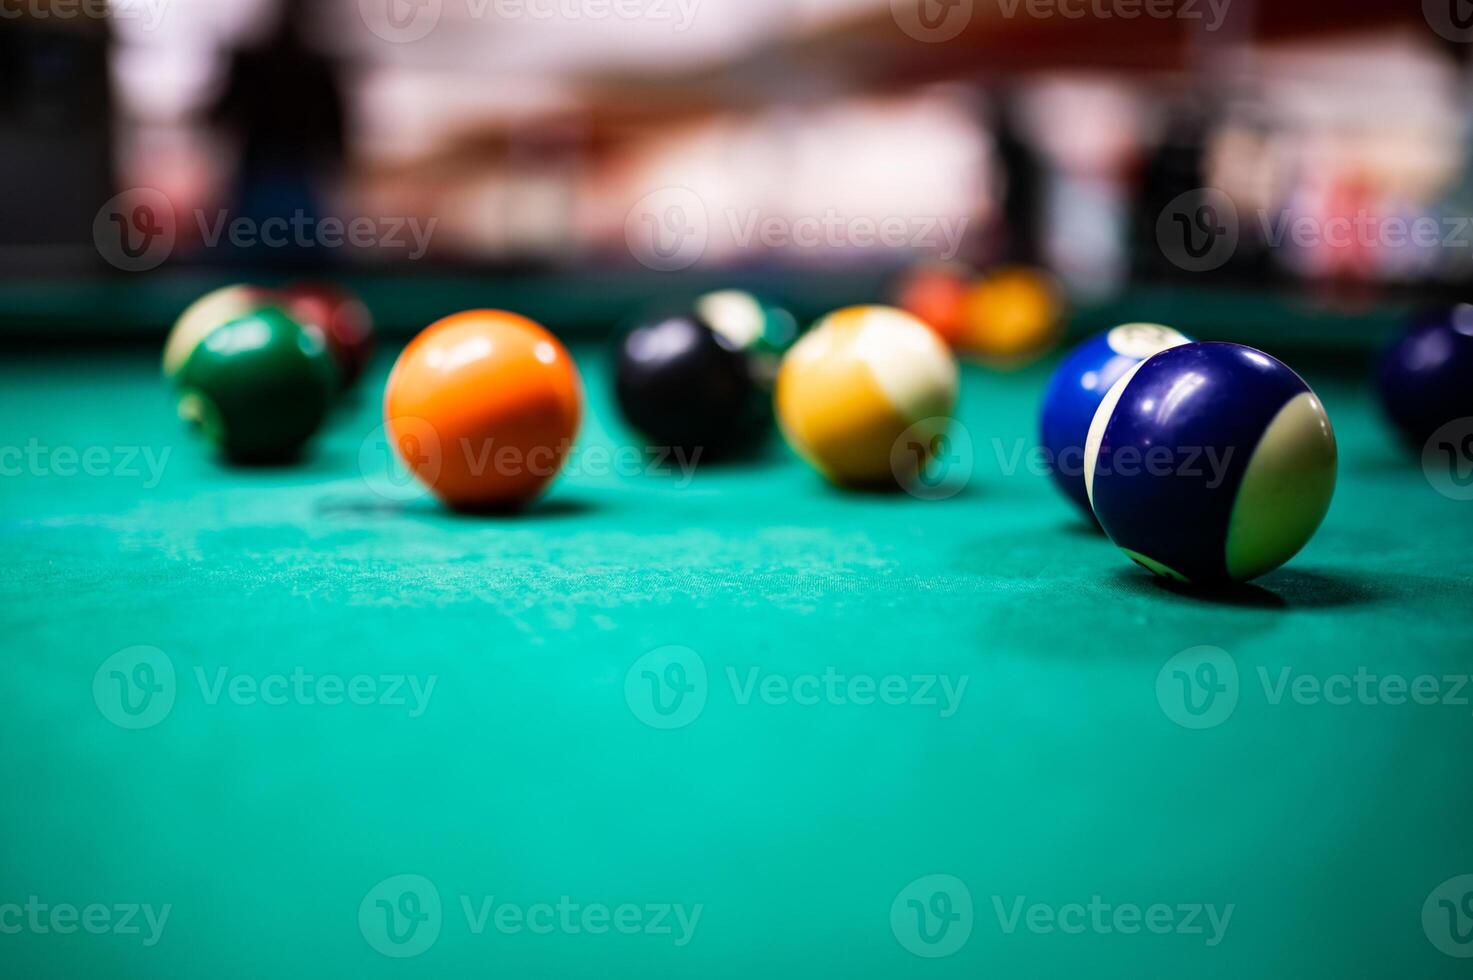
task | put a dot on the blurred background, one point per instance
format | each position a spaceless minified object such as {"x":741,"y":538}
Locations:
{"x":576,"y":158}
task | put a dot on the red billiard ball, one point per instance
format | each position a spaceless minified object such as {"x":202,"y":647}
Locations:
{"x":937,"y":293}
{"x":343,"y":318}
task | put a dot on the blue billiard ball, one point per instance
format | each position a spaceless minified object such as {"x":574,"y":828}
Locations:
{"x":1079,"y":385}
{"x":1426,"y":376}
{"x":1210,"y":463}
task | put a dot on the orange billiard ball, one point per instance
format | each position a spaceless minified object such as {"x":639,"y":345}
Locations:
{"x":483,"y":407}
{"x":1011,"y":316}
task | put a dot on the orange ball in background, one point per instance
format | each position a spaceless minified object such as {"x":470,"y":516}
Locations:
{"x":936,"y":293}
{"x":1011,"y":316}
{"x":483,"y":407}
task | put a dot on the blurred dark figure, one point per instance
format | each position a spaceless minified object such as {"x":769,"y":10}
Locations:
{"x":1022,"y":197}
{"x":283,"y":101}
{"x":55,"y":142}
{"x":1176,"y":167}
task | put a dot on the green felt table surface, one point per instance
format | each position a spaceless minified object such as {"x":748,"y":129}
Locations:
{"x":878,"y":690}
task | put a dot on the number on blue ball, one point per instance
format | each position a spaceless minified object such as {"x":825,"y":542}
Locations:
{"x":1077,"y":388}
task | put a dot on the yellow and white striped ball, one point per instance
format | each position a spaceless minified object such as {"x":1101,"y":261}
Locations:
{"x":861,"y":379}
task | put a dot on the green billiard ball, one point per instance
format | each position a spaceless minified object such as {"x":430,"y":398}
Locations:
{"x":211,"y":310}
{"x":258,"y":387}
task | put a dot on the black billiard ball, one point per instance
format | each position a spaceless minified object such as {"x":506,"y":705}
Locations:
{"x":682,"y":384}
{"x":762,"y":330}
